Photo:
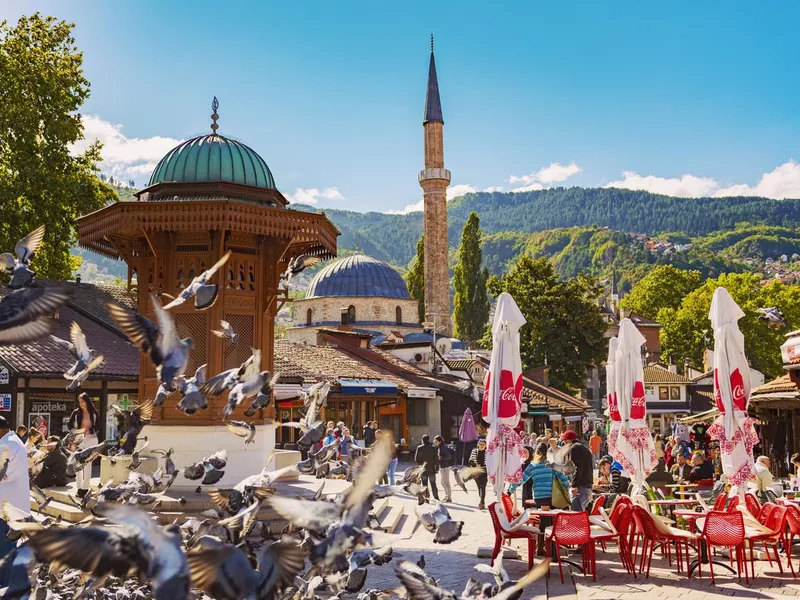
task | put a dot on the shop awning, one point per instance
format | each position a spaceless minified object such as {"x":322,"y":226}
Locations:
{"x":366,"y":387}
{"x":535,"y":412}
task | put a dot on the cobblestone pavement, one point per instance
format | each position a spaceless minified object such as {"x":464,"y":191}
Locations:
{"x":453,"y":564}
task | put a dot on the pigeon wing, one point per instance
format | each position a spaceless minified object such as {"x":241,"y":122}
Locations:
{"x":88,"y":549}
{"x":78,"y":339}
{"x":7,"y":262}
{"x":200,"y":375}
{"x":21,"y":309}
{"x":306,"y":514}
{"x":217,"y":384}
{"x":209,"y":273}
{"x":27,"y":246}
{"x":417,"y":587}
{"x":168,"y":335}
{"x":278,"y":565}
{"x":140,"y":330}
{"x":372,"y":471}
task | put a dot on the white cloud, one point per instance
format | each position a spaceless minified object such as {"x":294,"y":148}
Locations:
{"x":528,"y":188}
{"x":454,"y":191}
{"x":780,"y":183}
{"x":124,"y":158}
{"x":494,"y":188}
{"x":416,"y":207}
{"x":313,"y":196}
{"x":552,"y":173}
{"x":686,"y":186}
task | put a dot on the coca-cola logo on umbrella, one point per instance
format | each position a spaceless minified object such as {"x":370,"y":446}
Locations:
{"x":717,"y":395}
{"x":737,"y":387}
{"x":638,"y":402}
{"x":613,"y":407}
{"x":510,"y":395}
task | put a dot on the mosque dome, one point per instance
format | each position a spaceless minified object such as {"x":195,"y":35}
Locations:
{"x":213,"y":158}
{"x":358,"y":276}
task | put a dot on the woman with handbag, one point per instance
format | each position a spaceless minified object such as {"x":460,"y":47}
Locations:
{"x":478,"y":459}
{"x":548,"y":483}
{"x":84,"y":418}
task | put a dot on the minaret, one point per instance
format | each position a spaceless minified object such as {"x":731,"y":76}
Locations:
{"x":434,"y":179}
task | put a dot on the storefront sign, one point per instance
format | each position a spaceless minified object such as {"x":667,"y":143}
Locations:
{"x":555,"y":416}
{"x":572,"y":419}
{"x":421,"y":392}
{"x":50,"y":416}
{"x":5,"y":402}
{"x":4,"y":377}
{"x":46,"y":406}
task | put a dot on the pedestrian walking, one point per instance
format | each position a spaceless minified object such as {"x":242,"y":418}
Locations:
{"x":581,"y":480}
{"x":369,"y":433}
{"x":445,"y":457}
{"x":15,"y":486}
{"x":594,"y":445}
{"x":85,"y":418}
{"x":478,"y":459}
{"x":426,"y":455}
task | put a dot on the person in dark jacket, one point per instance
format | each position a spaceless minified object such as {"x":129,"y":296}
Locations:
{"x":478,"y":459}
{"x":580,"y":482}
{"x":369,"y":434}
{"x":527,"y":486}
{"x":445,"y":457}
{"x":85,"y":418}
{"x":701,"y":468}
{"x":426,"y":455}
{"x":54,"y":467}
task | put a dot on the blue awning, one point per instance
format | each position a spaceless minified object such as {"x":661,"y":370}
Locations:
{"x":366,"y":387}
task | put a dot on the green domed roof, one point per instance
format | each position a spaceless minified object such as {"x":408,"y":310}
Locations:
{"x":213,"y":158}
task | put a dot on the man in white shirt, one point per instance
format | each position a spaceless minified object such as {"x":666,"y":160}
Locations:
{"x":15,"y":486}
{"x":763,"y":475}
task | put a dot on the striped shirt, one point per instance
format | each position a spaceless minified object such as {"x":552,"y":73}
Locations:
{"x":542,"y":476}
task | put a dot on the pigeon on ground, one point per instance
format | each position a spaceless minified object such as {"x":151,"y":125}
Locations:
{"x":168,"y":352}
{"x":26,"y":314}
{"x":436,"y":519}
{"x":243,"y":429}
{"x":226,"y":332}
{"x":18,"y":268}
{"x":772,"y":315}
{"x":204,"y":293}
{"x":136,"y":543}
{"x":299,"y":264}
{"x":192,"y":398}
{"x":86,"y":358}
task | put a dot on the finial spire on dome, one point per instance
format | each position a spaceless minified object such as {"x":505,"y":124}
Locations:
{"x":431,"y":42}
{"x":214,"y":116}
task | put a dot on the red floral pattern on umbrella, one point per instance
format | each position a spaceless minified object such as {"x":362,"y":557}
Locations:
{"x":733,"y":428}
{"x":508,"y":443}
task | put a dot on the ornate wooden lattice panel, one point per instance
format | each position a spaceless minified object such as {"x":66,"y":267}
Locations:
{"x":187,"y":268}
{"x":236,"y":354}
{"x":195,"y":326}
{"x":240,"y":274}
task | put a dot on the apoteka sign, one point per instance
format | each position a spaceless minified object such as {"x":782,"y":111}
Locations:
{"x":49,"y":406}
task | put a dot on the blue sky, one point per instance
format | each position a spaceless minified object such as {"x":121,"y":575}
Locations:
{"x":686,"y":97}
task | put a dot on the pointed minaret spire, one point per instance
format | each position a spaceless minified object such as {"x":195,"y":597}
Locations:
{"x":433,"y":105}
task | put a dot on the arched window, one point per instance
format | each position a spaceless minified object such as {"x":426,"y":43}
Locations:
{"x":351,"y":315}
{"x":308,"y":316}
{"x":398,"y":316}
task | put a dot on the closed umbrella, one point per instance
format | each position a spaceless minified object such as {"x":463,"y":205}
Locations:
{"x":502,"y":397}
{"x":635,"y":449}
{"x":611,"y":394}
{"x":468,"y":432}
{"x":733,"y":428}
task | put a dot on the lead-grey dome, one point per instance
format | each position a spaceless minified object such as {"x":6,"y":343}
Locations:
{"x":358,"y":276}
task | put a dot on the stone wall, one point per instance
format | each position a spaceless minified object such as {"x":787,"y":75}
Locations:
{"x":378,"y":314}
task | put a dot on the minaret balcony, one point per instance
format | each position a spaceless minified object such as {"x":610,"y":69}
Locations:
{"x":440,"y":174}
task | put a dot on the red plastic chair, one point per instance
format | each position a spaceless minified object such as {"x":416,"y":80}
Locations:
{"x":508,"y":506}
{"x":573,"y":529}
{"x":599,"y":503}
{"x":776,"y":522}
{"x":501,"y":534}
{"x":650,"y":537}
{"x":719,"y":502}
{"x":621,"y":520}
{"x":733,"y":504}
{"x":793,"y":522}
{"x":704,"y":484}
{"x":752,"y":503}
{"x":726,"y":530}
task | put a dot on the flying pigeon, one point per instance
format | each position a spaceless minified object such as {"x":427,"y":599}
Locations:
{"x":226,"y":332}
{"x":209,"y":469}
{"x":204,"y":293}
{"x":772,"y":315}
{"x":192,"y":398}
{"x":248,"y":381}
{"x":26,"y":314}
{"x":136,"y":544}
{"x":86,"y":358}
{"x":242,"y":429}
{"x":168,"y":352}
{"x":436,"y":519}
{"x":299,"y":264}
{"x":18,"y":268}
{"x":131,"y":423}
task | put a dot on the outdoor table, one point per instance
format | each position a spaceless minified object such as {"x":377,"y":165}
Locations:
{"x":546,"y":520}
{"x":671,"y":504}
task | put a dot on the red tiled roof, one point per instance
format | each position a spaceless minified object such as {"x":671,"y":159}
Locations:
{"x":46,"y":358}
{"x":658,"y":374}
{"x":781,"y":384}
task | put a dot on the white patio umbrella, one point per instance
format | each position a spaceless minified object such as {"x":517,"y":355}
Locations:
{"x":635,"y":449}
{"x":733,"y":428}
{"x":502,"y":397}
{"x":611,"y":394}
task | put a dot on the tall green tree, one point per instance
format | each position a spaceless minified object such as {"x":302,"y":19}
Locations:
{"x":664,"y":286}
{"x":471,"y":302}
{"x":415,"y":278}
{"x":42,"y":179}
{"x":687,"y":332}
{"x":564,"y":326}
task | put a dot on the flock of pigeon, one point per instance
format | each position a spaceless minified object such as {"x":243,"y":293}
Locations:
{"x":119,"y":551}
